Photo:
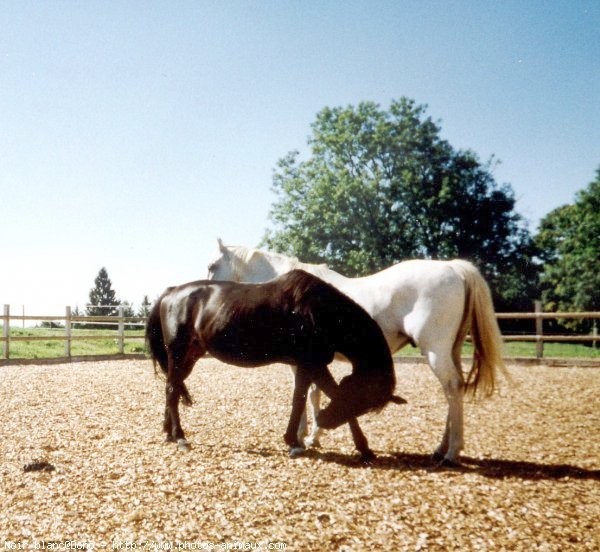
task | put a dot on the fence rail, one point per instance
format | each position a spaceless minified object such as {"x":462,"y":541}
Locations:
{"x":121,"y":322}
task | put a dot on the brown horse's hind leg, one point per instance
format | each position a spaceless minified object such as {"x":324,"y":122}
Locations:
{"x":328,"y":385}
{"x":180,"y":365}
{"x":168,"y":425}
{"x":173,"y":392}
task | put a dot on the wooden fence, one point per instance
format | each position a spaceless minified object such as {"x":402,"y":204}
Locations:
{"x":121,"y":322}
{"x":539,"y":337}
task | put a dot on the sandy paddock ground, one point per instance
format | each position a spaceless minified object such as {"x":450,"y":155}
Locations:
{"x":530,"y":479}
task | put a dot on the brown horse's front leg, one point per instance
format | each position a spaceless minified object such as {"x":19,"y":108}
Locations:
{"x":173,"y":394}
{"x":167,"y":424}
{"x":328,"y":385}
{"x":301,"y":384}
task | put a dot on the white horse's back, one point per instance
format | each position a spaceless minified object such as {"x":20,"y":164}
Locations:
{"x":413,"y":301}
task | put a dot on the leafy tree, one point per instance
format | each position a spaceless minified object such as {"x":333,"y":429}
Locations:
{"x":569,"y":243}
{"x":103,"y":299}
{"x":144,"y":310}
{"x":128,"y":311}
{"x":77,"y":312}
{"x":382,"y":186}
{"x":51,"y":324}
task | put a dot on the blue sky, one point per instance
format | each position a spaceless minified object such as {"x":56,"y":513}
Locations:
{"x":133,"y":133}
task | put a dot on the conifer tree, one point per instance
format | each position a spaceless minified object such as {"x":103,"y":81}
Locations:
{"x":145,"y":307}
{"x":103,"y":298}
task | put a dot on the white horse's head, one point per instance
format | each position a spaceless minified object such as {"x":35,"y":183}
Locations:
{"x":237,"y":263}
{"x":226,"y":265}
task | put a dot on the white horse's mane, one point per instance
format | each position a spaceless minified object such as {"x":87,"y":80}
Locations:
{"x":244,"y":254}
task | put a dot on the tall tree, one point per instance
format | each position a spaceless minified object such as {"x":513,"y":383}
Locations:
{"x":569,"y":243}
{"x":144,"y":310}
{"x":382,"y":186}
{"x":103,"y":299}
{"x":128,"y":312}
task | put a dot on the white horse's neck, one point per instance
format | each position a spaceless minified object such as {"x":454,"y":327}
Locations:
{"x":263,"y":267}
{"x":322,"y":271}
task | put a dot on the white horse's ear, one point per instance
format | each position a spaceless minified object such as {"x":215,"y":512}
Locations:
{"x":222,"y":247}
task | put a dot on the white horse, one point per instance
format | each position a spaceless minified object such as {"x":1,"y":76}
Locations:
{"x":431,"y":304}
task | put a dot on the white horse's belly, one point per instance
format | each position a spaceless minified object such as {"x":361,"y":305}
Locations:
{"x":418,"y":300}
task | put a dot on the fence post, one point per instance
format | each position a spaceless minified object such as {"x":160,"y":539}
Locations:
{"x":5,"y":331}
{"x":121,"y":331}
{"x":68,"y":332}
{"x":539,"y":330}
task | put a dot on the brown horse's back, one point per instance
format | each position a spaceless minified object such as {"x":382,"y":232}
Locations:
{"x":257,"y":324}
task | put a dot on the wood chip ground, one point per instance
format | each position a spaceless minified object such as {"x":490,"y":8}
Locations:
{"x":530,"y":480}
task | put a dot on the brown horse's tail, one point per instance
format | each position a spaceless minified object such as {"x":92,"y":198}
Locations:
{"x":158,"y":350}
{"x":479,"y":318}
{"x":155,"y":339}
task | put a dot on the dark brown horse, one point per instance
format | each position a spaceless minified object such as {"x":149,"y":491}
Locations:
{"x":295,"y":319}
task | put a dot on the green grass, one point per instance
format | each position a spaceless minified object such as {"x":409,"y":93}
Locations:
{"x":110,"y":346}
{"x":516,"y":349}
{"x":54,"y":349}
{"x":552,"y":350}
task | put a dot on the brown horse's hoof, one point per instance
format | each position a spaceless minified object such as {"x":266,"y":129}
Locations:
{"x":367,"y":457}
{"x":437,"y":457}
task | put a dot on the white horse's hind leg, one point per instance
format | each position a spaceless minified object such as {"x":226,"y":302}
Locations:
{"x":314,"y":395}
{"x":303,"y":425}
{"x":303,"y":428}
{"x":452,"y":383}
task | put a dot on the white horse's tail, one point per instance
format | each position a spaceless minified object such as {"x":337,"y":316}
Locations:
{"x":479,"y":318}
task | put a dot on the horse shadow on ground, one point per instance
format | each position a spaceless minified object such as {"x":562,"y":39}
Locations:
{"x":487,"y":467}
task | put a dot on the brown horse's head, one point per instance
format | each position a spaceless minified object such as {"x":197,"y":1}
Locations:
{"x":356,"y":395}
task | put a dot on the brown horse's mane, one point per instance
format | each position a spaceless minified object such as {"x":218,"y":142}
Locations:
{"x":297,"y":283}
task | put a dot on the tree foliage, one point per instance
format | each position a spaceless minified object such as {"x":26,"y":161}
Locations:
{"x":144,"y":309}
{"x":569,"y":244}
{"x":382,"y":186}
{"x":103,"y":298}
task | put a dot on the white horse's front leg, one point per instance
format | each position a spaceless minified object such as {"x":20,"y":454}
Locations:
{"x":303,"y":428}
{"x":314,"y":395}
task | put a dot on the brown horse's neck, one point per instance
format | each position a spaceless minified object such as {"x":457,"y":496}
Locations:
{"x":367,"y":349}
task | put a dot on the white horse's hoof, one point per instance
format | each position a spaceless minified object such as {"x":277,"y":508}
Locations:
{"x":296,"y":452}
{"x":312,"y":442}
{"x":449,"y":463}
{"x":183,"y":445}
